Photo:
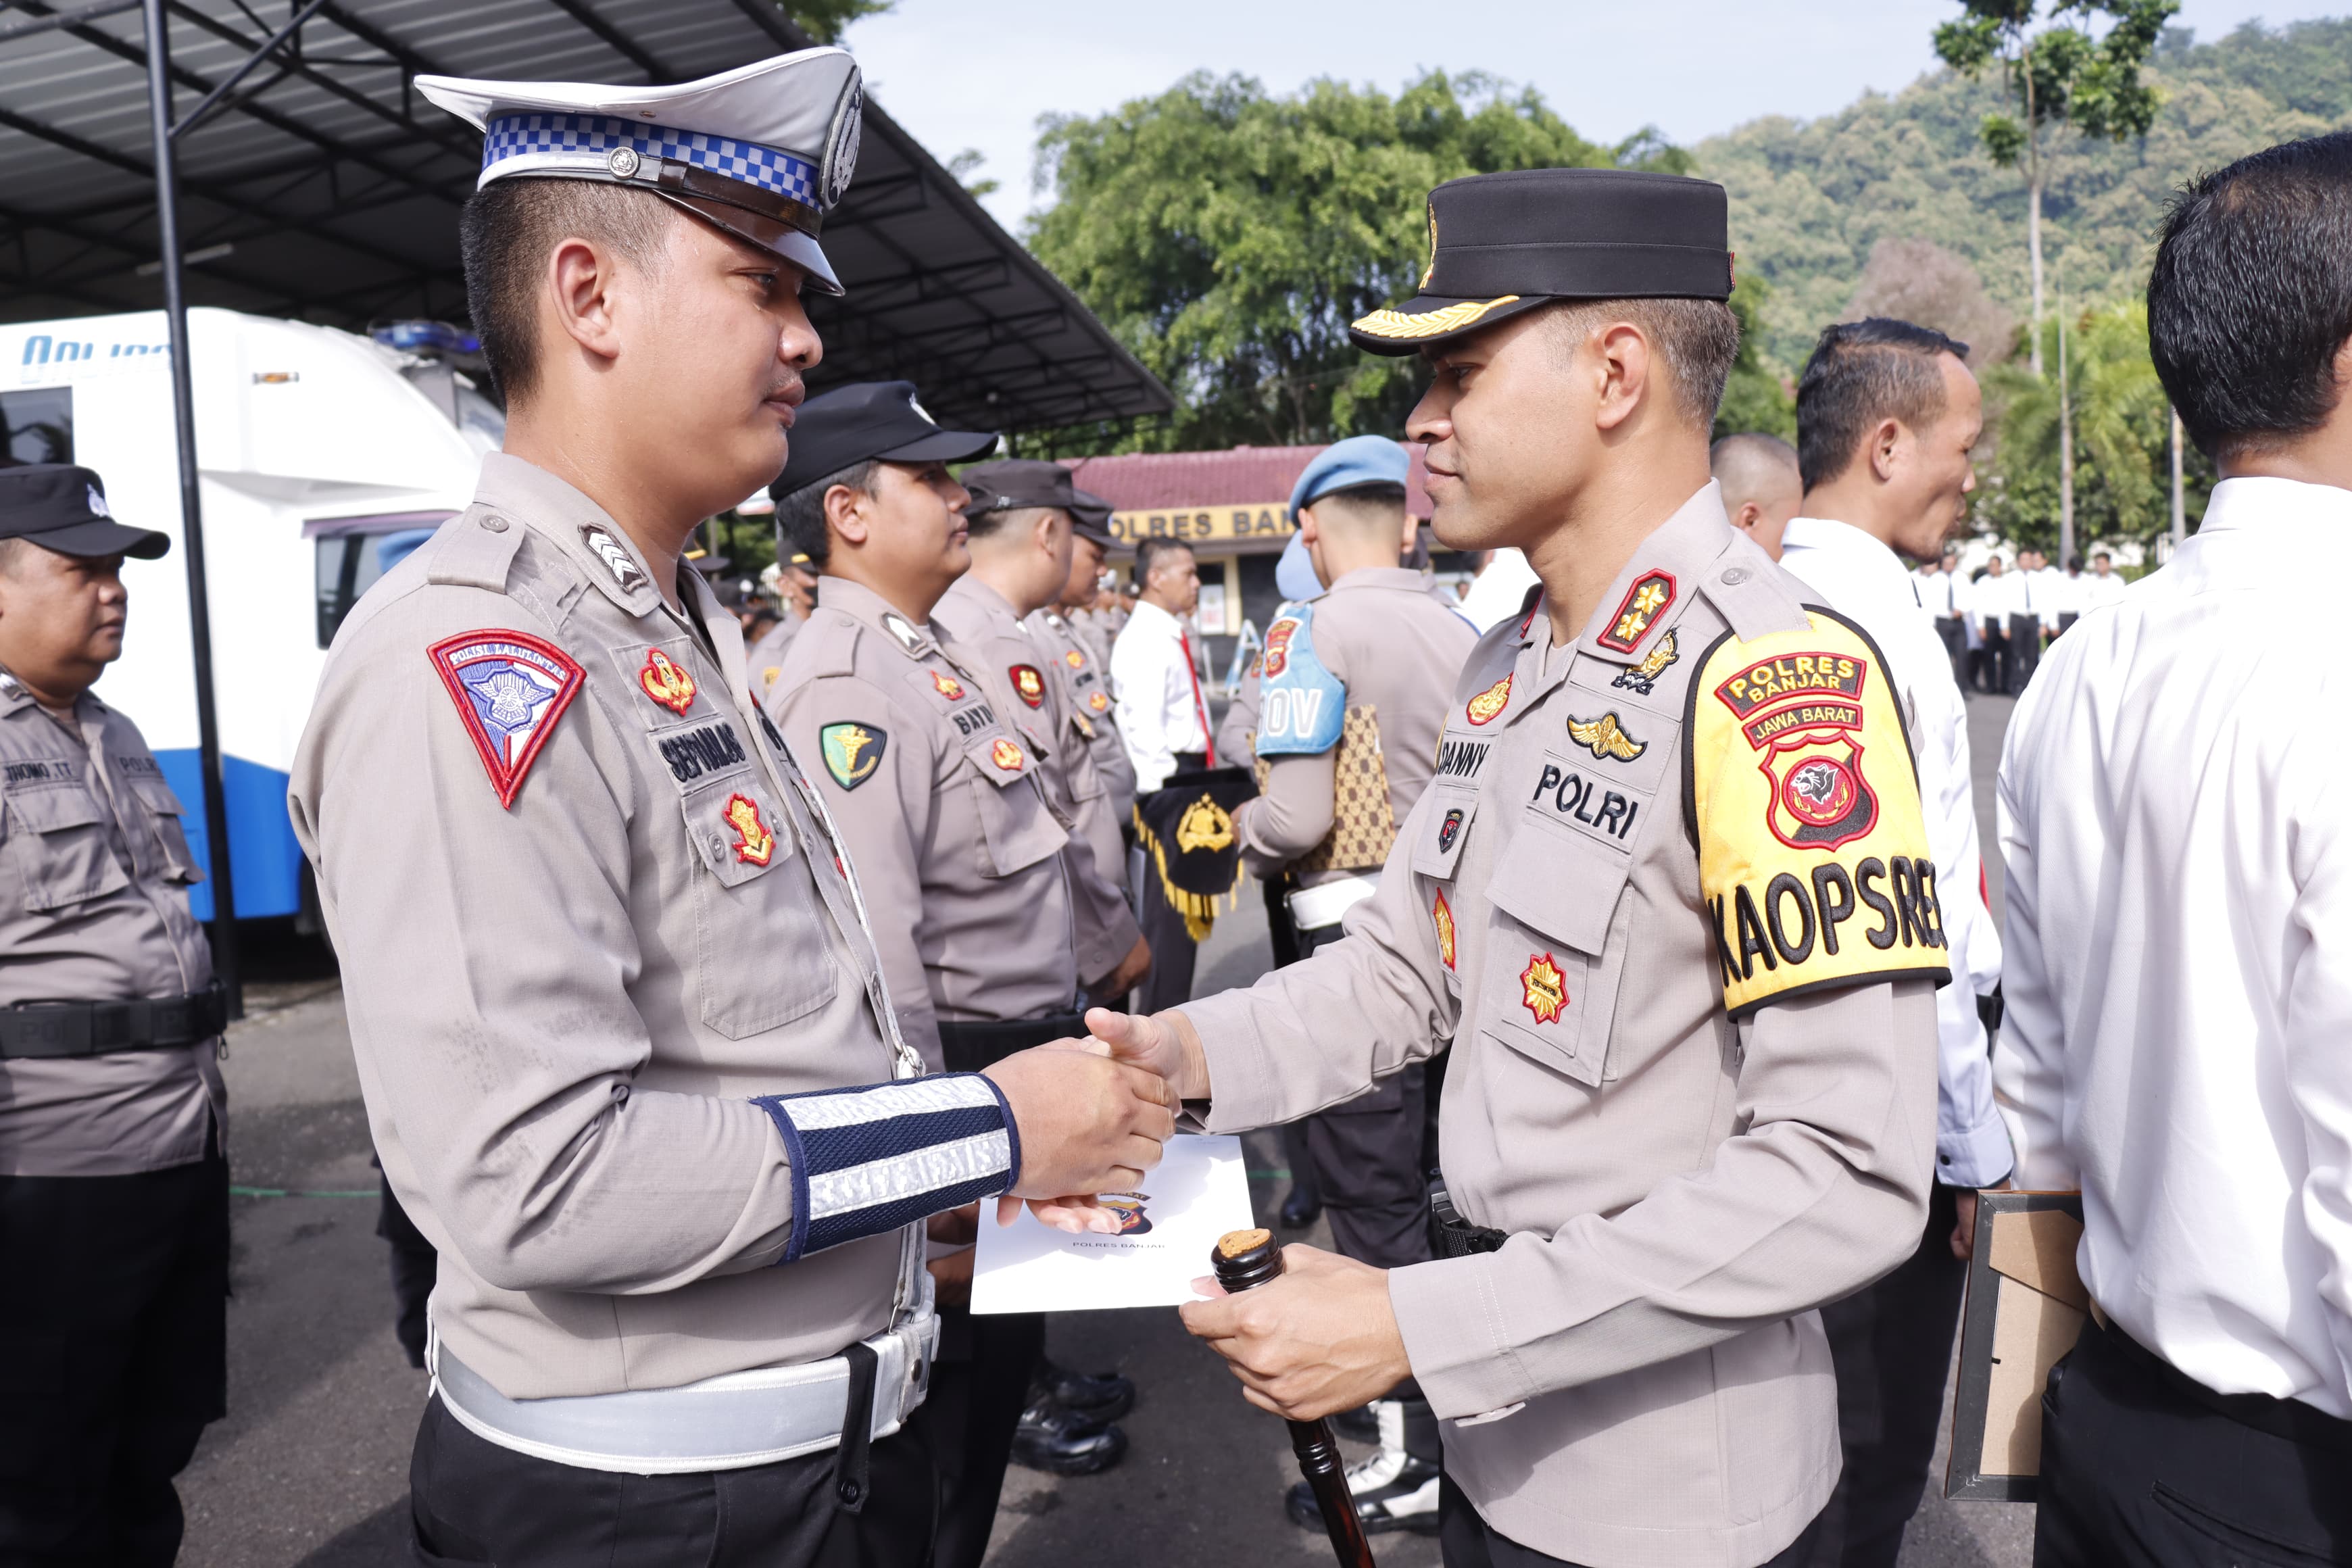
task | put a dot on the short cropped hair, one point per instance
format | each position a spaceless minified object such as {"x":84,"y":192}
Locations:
{"x":504,"y":235}
{"x":1861,"y":373}
{"x":800,"y":514}
{"x":1148,"y":551}
{"x":1376,"y":505}
{"x":1698,"y":337}
{"x":1004,"y":520}
{"x":2251,"y":297}
{"x":1745,"y":464}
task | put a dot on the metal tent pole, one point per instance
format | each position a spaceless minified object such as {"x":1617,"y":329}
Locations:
{"x":191,"y":527}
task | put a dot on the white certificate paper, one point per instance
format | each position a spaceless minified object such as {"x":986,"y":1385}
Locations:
{"x":1198,"y":1192}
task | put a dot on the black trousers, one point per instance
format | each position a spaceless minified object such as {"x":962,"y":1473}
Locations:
{"x":2025,"y":650}
{"x":1992,"y":657}
{"x":1956,"y":646}
{"x":1469,"y":1542}
{"x":113,"y":1316}
{"x":2143,"y":1468}
{"x":1369,"y":1164}
{"x":414,"y":1269}
{"x":1892,"y":1343}
{"x":471,"y":1501}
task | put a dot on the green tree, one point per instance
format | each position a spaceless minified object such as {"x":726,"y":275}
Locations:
{"x":1758,"y":398}
{"x":2121,"y":428}
{"x":824,"y":19}
{"x":2057,"y":77}
{"x":1228,"y":235}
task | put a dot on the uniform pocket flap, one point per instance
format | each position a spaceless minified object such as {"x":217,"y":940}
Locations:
{"x":1443,"y":827}
{"x":1564,"y":886}
{"x":54,"y":810}
{"x":1017,"y":829}
{"x":738,"y":829}
{"x":1000,"y":759}
{"x":158,"y":796}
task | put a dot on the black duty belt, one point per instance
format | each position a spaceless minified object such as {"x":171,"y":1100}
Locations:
{"x":968,"y":1048}
{"x":93,"y":1029}
{"x":1451,"y":1236}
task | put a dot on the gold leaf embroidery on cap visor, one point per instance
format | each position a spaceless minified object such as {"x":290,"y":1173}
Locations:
{"x":1430,"y":323}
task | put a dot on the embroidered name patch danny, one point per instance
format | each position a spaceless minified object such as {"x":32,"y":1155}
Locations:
{"x":510,"y":689}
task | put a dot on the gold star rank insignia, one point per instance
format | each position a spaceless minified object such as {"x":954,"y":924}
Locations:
{"x":1652,"y":595}
{"x":1606,"y":737}
{"x":1544,"y":988}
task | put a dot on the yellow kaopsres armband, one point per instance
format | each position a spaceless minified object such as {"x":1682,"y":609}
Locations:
{"x":1804,"y":801}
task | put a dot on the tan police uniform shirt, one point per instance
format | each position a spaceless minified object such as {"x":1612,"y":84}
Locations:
{"x":1026,"y":669}
{"x":954,"y":838}
{"x":1387,"y":641}
{"x":94,"y":873}
{"x":1088,"y":673}
{"x":578,"y":933}
{"x":1698,"y":1116}
{"x":766,"y":656}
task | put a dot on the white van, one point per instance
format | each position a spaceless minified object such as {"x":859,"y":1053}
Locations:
{"x":314,"y":447}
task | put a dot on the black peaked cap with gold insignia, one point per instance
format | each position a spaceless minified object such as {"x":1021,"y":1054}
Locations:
{"x":1501,"y":244}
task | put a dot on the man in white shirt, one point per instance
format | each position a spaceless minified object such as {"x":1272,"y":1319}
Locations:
{"x":2179,"y":846}
{"x":2028,"y":616}
{"x":1165,"y":724}
{"x":1943,"y":594}
{"x":1990,"y":597}
{"x":1886,"y":416}
{"x":2100,"y":586}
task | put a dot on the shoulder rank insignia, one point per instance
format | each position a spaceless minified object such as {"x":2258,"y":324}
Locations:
{"x":1651,"y":596}
{"x":1098,"y":700}
{"x":509,"y":689}
{"x":1441,"y":915}
{"x":1812,"y":851}
{"x":616,"y":559}
{"x":755,"y":843}
{"x":1644,"y":676}
{"x":1606,"y":737}
{"x":1490,"y":703}
{"x":1006,"y":755}
{"x":1028,"y":685}
{"x":665,"y":682}
{"x":947,"y":685}
{"x":852,"y":752}
{"x":1543,"y":988}
{"x":897,"y":626}
{"x":1074,"y":658}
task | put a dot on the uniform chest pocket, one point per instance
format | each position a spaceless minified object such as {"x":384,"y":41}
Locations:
{"x":761,"y":954}
{"x":1551,"y":980}
{"x":164,"y":813}
{"x":57,"y":843}
{"x":1016,"y":830}
{"x":1085,"y":778}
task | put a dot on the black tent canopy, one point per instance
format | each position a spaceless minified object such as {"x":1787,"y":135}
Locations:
{"x":319,"y":184}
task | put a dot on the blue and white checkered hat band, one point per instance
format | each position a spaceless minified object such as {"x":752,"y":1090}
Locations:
{"x":595,"y":137}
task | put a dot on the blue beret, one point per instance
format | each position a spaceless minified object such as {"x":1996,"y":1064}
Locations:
{"x":1358,"y":460}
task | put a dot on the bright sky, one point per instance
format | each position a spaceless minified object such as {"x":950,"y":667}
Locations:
{"x":978,"y":73}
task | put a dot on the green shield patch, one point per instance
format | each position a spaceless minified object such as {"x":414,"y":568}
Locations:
{"x":852,"y":752}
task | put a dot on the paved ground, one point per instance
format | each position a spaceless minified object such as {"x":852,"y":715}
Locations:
{"x":309,"y":1468}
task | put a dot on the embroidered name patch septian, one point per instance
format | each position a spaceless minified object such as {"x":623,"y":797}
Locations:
{"x":665,"y":682}
{"x":510,"y":689}
{"x":1543,"y":988}
{"x":1028,"y":684}
{"x":852,"y":752}
{"x":754,"y":842}
{"x":1652,"y":595}
{"x":1487,"y":704}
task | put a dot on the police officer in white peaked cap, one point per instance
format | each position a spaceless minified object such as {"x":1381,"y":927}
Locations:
{"x":629,"y":1053}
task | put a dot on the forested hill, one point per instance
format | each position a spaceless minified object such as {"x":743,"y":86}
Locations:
{"x":1808,"y":200}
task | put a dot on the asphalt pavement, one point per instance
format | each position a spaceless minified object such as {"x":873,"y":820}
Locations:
{"x":309,"y":1468}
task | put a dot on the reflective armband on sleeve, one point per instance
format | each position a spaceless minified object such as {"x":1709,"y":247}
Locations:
{"x":1301,"y":705}
{"x":867,"y":1161}
{"x":1803,"y":800}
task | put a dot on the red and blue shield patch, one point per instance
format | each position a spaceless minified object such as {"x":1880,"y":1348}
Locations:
{"x":510,"y":689}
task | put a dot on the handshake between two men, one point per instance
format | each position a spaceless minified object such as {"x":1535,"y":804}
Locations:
{"x":1092,"y":1115}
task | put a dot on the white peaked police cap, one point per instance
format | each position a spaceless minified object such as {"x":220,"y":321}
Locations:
{"x":763,"y":151}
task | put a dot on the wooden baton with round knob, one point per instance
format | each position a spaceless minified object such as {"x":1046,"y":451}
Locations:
{"x":1244,"y":1260}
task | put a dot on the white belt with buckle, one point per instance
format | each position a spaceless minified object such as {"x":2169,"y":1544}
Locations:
{"x":727,"y":1423}
{"x":1322,"y":904}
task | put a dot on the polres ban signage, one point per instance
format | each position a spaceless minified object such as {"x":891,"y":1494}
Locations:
{"x":1232,"y":524}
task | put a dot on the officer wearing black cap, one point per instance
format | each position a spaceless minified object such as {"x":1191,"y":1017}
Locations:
{"x":1670,"y":898}
{"x":957,"y":829}
{"x":114,"y":1182}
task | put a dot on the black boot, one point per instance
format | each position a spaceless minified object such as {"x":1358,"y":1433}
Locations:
{"x":1098,"y":1396}
{"x":1394,"y":1489}
{"x":1063,"y":1443}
